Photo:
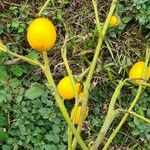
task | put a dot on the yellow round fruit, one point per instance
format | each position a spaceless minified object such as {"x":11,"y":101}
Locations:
{"x":114,"y":20}
{"x":81,"y":95}
{"x":41,"y":34}
{"x":76,"y":114}
{"x":65,"y":88}
{"x":136,"y":72}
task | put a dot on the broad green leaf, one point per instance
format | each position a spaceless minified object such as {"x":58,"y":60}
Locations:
{"x":3,"y":135}
{"x":3,"y":120}
{"x":148,"y":112}
{"x":3,"y":73}
{"x":17,"y":71}
{"x":6,"y":147}
{"x":35,"y":91}
{"x":50,"y":147}
{"x":56,"y":129}
{"x":33,"y":55}
{"x":2,"y":98}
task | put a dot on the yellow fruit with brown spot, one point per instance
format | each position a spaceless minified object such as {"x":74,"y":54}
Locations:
{"x":136,"y":72}
{"x":65,"y":88}
{"x":77,"y":114}
{"x":41,"y":34}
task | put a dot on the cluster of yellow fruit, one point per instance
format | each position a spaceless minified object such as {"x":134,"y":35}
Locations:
{"x":41,"y":35}
{"x":66,"y":91}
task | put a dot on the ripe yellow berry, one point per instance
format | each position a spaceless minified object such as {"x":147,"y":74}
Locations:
{"x":65,"y":88}
{"x":77,"y":114}
{"x":136,"y":72}
{"x":41,"y":34}
{"x":114,"y":20}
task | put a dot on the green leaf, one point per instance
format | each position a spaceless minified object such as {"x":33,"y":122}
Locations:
{"x":3,"y":73}
{"x":3,"y":120}
{"x":14,"y":83}
{"x":50,"y":147}
{"x":35,"y":91}
{"x":52,"y":137}
{"x":56,"y":129}
{"x":6,"y":147}
{"x":3,"y":135}
{"x":126,"y":19}
{"x":148,"y":112}
{"x":33,"y":55}
{"x":136,"y":132}
{"x":62,"y":147}
{"x":17,"y":71}
{"x":15,"y":24}
{"x":2,"y":98}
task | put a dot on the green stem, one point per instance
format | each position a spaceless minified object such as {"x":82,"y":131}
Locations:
{"x":60,"y":103}
{"x":93,"y":64}
{"x":82,"y":118}
{"x":99,"y":45}
{"x":43,"y":7}
{"x":64,"y":56}
{"x":110,"y":116}
{"x":135,"y":115}
{"x":123,"y":119}
{"x":79,"y":78}
{"x":96,"y":16}
{"x":33,"y":62}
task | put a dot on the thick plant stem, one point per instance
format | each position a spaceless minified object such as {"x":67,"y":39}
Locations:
{"x":60,"y":103}
{"x":43,"y":8}
{"x":108,"y":120}
{"x":112,"y":136}
{"x":134,"y":114}
{"x":110,"y":116}
{"x":94,"y":62}
{"x":123,"y":119}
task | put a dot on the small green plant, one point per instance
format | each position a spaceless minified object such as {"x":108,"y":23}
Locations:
{"x":139,"y":9}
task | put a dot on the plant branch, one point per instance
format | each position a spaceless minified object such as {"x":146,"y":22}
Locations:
{"x":43,"y":8}
{"x":110,"y":116}
{"x":79,"y":78}
{"x":33,"y":62}
{"x":134,"y":114}
{"x":100,"y":41}
{"x":139,"y":91}
{"x":60,"y":103}
{"x":96,"y":16}
{"x":123,"y":119}
{"x":64,"y":56}
{"x":94,"y":62}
